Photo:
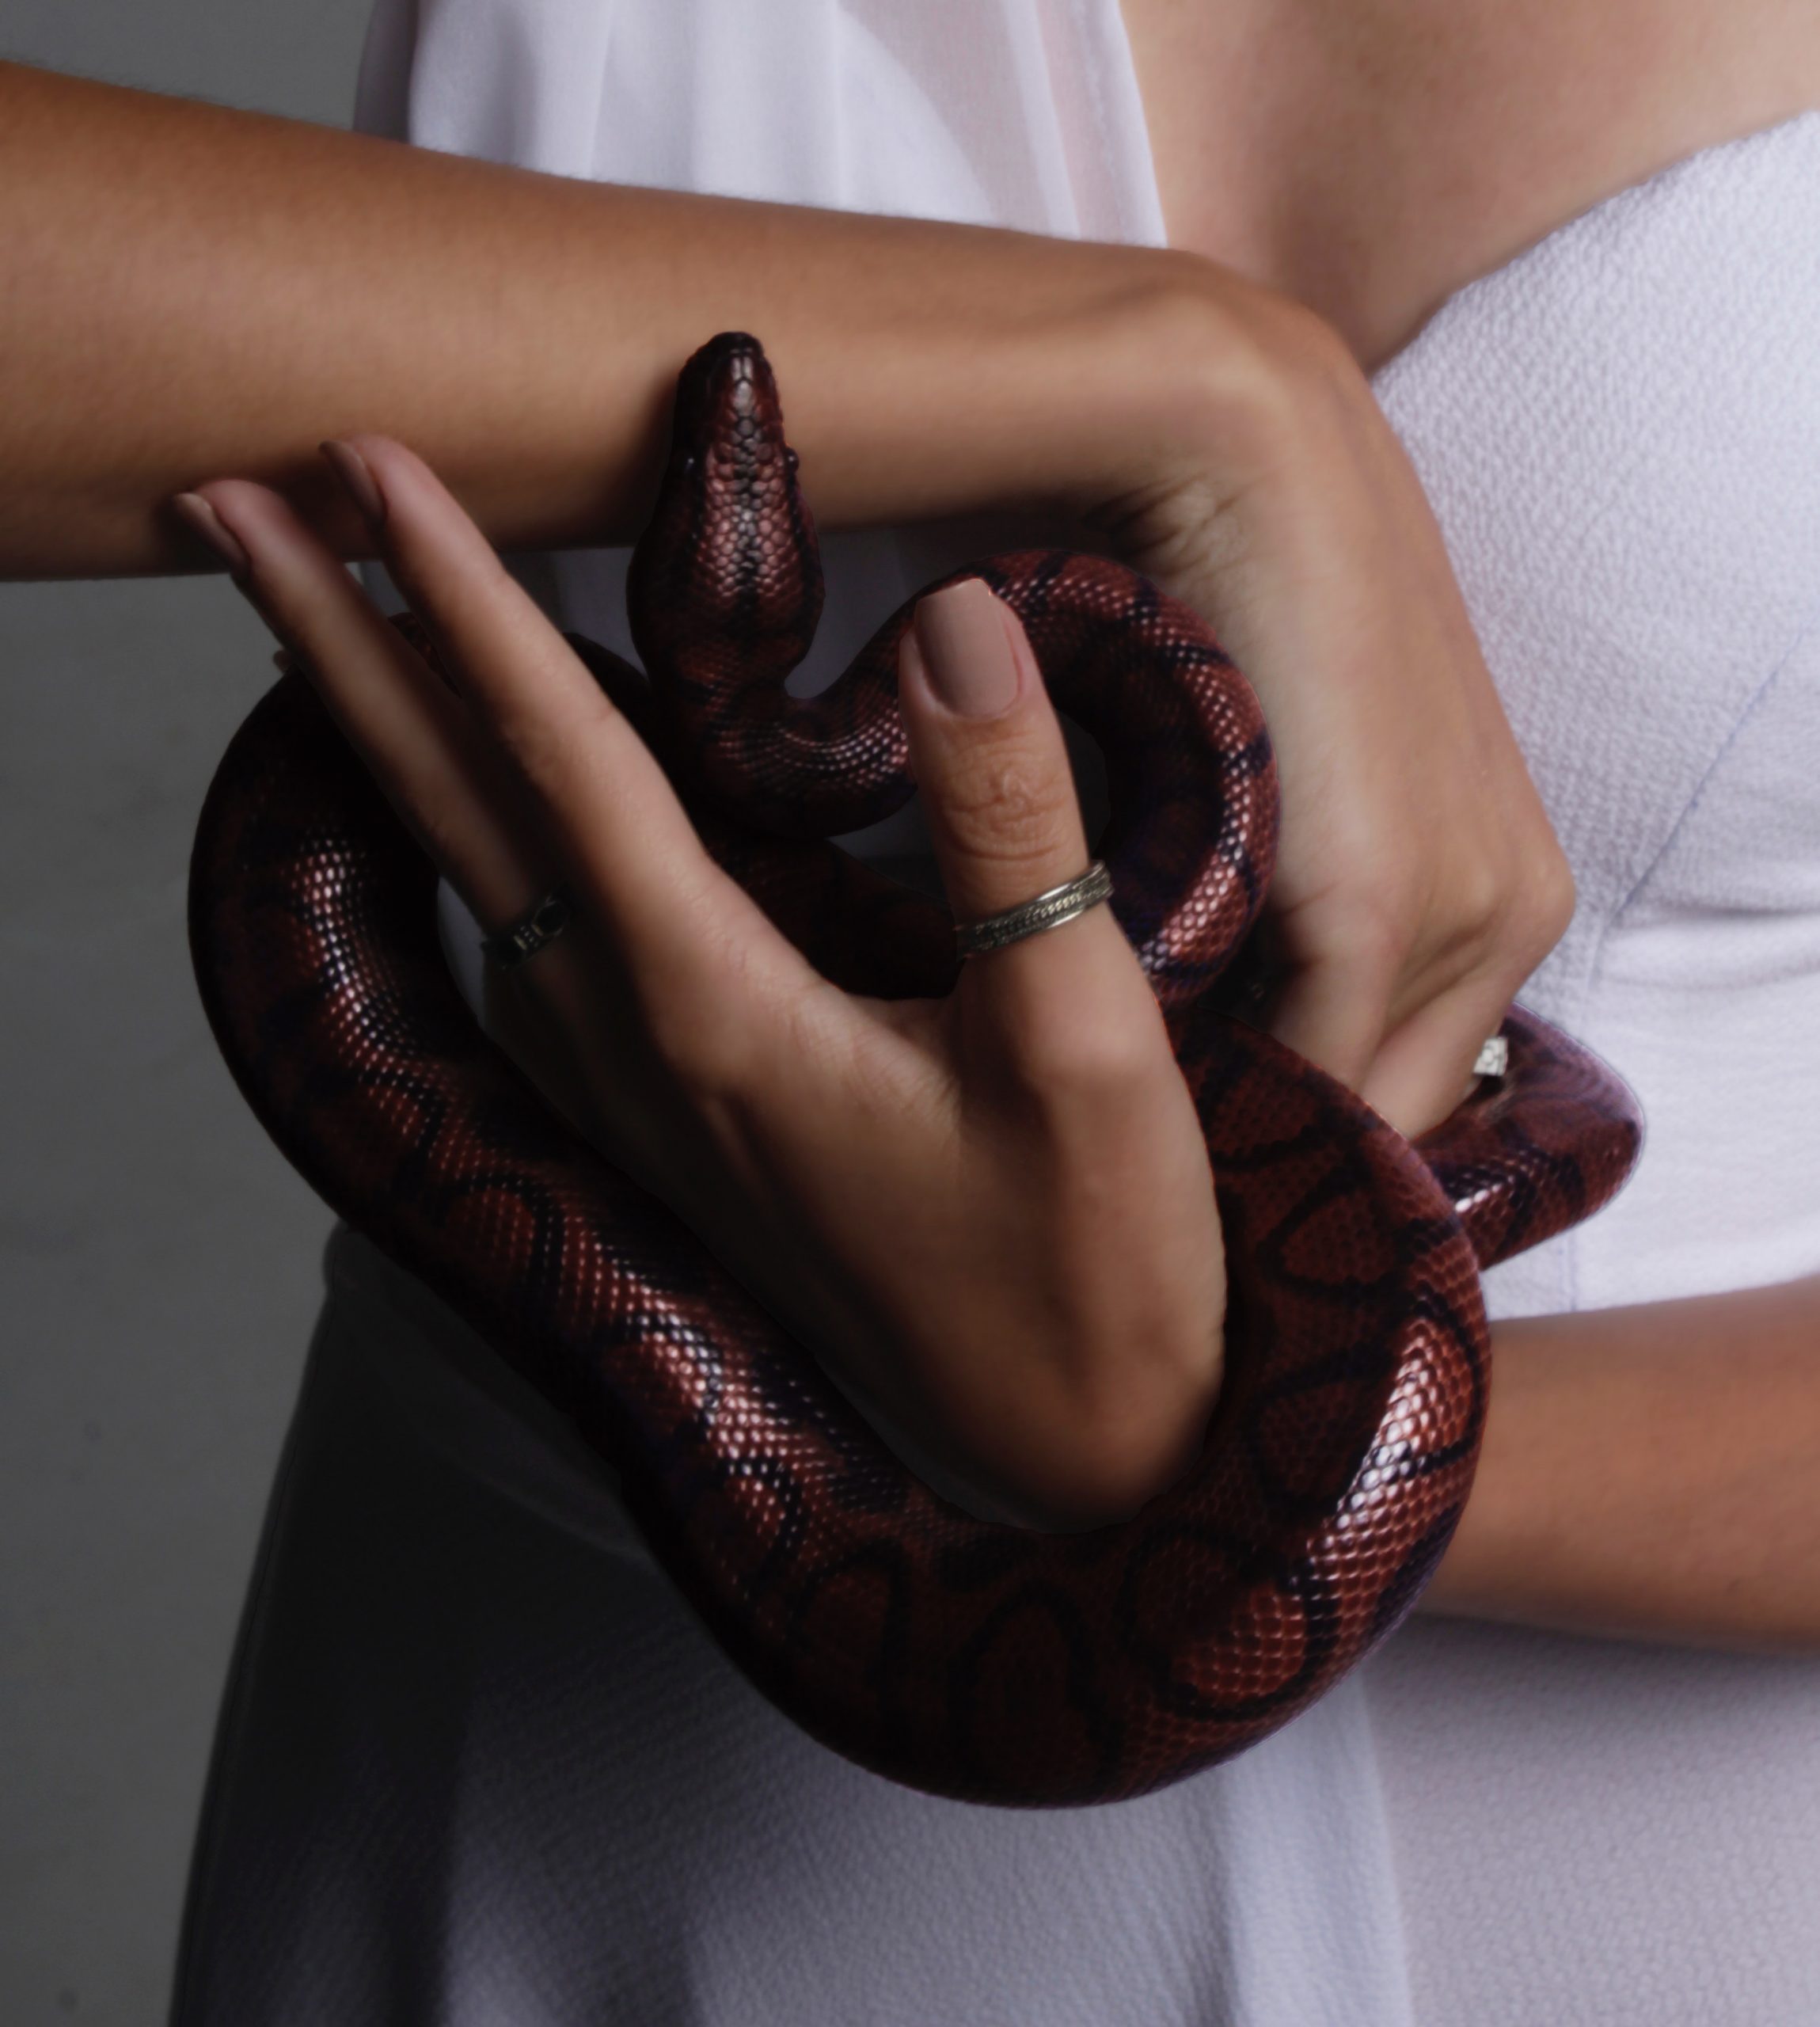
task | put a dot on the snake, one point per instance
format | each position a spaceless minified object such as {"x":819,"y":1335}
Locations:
{"x":967,"y":1657}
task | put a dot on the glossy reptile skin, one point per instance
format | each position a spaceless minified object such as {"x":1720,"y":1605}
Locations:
{"x":966,"y":1658}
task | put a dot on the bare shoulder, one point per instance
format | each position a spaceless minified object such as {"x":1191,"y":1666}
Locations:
{"x":1373,"y":156}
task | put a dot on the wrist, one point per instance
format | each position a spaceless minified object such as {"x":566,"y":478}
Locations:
{"x":1046,"y":383}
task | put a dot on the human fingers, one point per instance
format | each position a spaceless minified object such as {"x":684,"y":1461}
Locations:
{"x":681,"y":928}
{"x":1417,"y":881}
{"x":1413,"y":1068}
{"x":424,"y":749}
{"x":1424,"y":1068}
{"x":419,"y":741}
{"x":1005,"y":824}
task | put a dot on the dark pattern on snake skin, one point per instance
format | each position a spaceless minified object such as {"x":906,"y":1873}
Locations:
{"x":969,"y":1659}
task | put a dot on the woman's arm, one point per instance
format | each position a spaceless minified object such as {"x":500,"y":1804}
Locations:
{"x":194,"y":291}
{"x":1652,"y":1472}
{"x":191,"y":290}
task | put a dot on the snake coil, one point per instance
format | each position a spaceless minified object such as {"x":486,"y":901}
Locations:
{"x":963,"y":1657}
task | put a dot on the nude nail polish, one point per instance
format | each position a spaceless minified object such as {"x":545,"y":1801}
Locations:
{"x":357,"y":474}
{"x":966,"y":649}
{"x":214,"y":531}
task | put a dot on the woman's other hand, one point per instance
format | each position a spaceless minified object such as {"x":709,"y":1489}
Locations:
{"x":992,"y":1212}
{"x":1418,"y":881}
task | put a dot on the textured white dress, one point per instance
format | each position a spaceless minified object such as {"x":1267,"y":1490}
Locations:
{"x":476,"y":1762}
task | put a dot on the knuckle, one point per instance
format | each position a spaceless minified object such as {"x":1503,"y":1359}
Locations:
{"x":1507,"y":917}
{"x":1092,"y":1070}
{"x":1488,"y":916}
{"x":1062,"y":1058}
{"x":1477,"y":899}
{"x":551,"y":751}
{"x":1550,"y":897}
{"x":707,"y":1060}
{"x":711,"y":1053}
{"x":1006,"y":806}
{"x":542,"y":752}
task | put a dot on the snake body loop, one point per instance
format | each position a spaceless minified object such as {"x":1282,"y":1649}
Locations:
{"x":966,"y":1658}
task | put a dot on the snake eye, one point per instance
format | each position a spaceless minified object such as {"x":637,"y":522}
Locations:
{"x":790,"y":458}
{"x":691,"y":464}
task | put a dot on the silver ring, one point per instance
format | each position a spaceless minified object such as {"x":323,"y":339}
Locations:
{"x":1493,"y":1059}
{"x":1046,"y":910}
{"x":532,"y":930}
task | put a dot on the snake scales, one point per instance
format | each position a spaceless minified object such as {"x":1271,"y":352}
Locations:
{"x":963,"y":1657}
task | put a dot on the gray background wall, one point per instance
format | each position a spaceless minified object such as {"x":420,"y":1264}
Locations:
{"x":158,"y":1263}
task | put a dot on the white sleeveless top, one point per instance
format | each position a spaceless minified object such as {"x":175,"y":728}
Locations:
{"x":1620,"y":432}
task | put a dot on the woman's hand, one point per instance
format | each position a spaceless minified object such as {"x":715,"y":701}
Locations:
{"x":994,"y":1212}
{"x":1418,"y":882}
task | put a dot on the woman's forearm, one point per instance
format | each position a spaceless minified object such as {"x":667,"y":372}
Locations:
{"x":192,"y":291}
{"x":1652,"y":1472}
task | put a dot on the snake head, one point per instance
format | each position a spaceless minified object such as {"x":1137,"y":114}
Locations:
{"x":726,"y":584}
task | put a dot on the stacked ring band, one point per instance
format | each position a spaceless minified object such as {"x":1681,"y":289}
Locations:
{"x":1045,"y":911}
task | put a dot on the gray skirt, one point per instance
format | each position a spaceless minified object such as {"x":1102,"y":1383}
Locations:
{"x":478,"y":1763}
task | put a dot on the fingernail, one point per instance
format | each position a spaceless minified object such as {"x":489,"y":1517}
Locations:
{"x":214,"y":531}
{"x":966,"y":648}
{"x":357,"y":474}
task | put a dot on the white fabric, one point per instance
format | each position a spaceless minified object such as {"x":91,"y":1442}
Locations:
{"x":1620,"y":431}
{"x":1261,"y":1894}
{"x":662,"y":1817}
{"x":1020,"y":112}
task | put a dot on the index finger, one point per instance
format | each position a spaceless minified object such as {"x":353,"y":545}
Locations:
{"x":609,"y":810}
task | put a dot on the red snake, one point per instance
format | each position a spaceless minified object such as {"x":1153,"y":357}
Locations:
{"x":969,"y":1659}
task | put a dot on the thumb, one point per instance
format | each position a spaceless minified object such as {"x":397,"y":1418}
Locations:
{"x":987,"y":750}
{"x":1055,"y":1013}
